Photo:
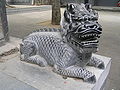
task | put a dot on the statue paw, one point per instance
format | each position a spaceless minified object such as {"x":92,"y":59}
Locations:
{"x":101,"y":65}
{"x":91,"y":79}
{"x":64,"y":77}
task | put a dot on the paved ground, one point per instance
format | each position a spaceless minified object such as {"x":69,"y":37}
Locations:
{"x":10,"y":83}
{"x":110,"y":45}
{"x":21,"y":24}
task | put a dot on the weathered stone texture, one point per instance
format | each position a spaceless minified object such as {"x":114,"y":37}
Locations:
{"x":3,"y":20}
{"x":56,"y":16}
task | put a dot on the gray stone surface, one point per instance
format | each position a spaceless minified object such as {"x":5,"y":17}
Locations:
{"x":11,"y":83}
{"x":43,"y":78}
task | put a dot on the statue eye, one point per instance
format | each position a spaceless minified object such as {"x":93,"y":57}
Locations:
{"x":72,"y":6}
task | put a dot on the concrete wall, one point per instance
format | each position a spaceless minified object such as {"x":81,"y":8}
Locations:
{"x":94,"y":2}
{"x":106,"y":2}
{"x":64,"y":2}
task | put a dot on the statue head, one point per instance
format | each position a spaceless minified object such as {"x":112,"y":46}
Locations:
{"x":80,"y":27}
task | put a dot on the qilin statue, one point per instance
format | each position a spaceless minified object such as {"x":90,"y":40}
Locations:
{"x":68,"y":49}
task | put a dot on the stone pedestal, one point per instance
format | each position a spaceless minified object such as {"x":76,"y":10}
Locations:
{"x":42,"y":78}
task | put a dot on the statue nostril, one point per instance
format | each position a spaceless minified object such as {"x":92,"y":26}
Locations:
{"x":100,"y":29}
{"x":91,"y":26}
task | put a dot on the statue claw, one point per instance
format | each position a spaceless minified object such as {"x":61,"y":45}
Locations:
{"x":91,"y":80}
{"x":101,"y":66}
{"x":64,"y":77}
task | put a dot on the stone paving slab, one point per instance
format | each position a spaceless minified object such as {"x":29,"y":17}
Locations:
{"x":43,"y":78}
{"x":10,"y":83}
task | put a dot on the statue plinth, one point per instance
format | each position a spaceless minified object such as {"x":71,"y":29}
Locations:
{"x":45,"y":79}
{"x":42,"y":78}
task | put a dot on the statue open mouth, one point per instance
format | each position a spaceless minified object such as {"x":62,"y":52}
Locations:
{"x":89,"y":39}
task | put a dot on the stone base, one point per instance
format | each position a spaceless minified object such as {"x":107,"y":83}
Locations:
{"x":42,"y":78}
{"x":8,"y":48}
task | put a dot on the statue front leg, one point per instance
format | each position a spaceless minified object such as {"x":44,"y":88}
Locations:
{"x":96,"y":62}
{"x":77,"y":72}
{"x":36,"y":59}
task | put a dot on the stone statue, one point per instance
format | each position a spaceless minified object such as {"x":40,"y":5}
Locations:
{"x":69,"y":49}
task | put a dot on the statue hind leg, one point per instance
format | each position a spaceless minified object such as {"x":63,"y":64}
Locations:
{"x":77,"y":72}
